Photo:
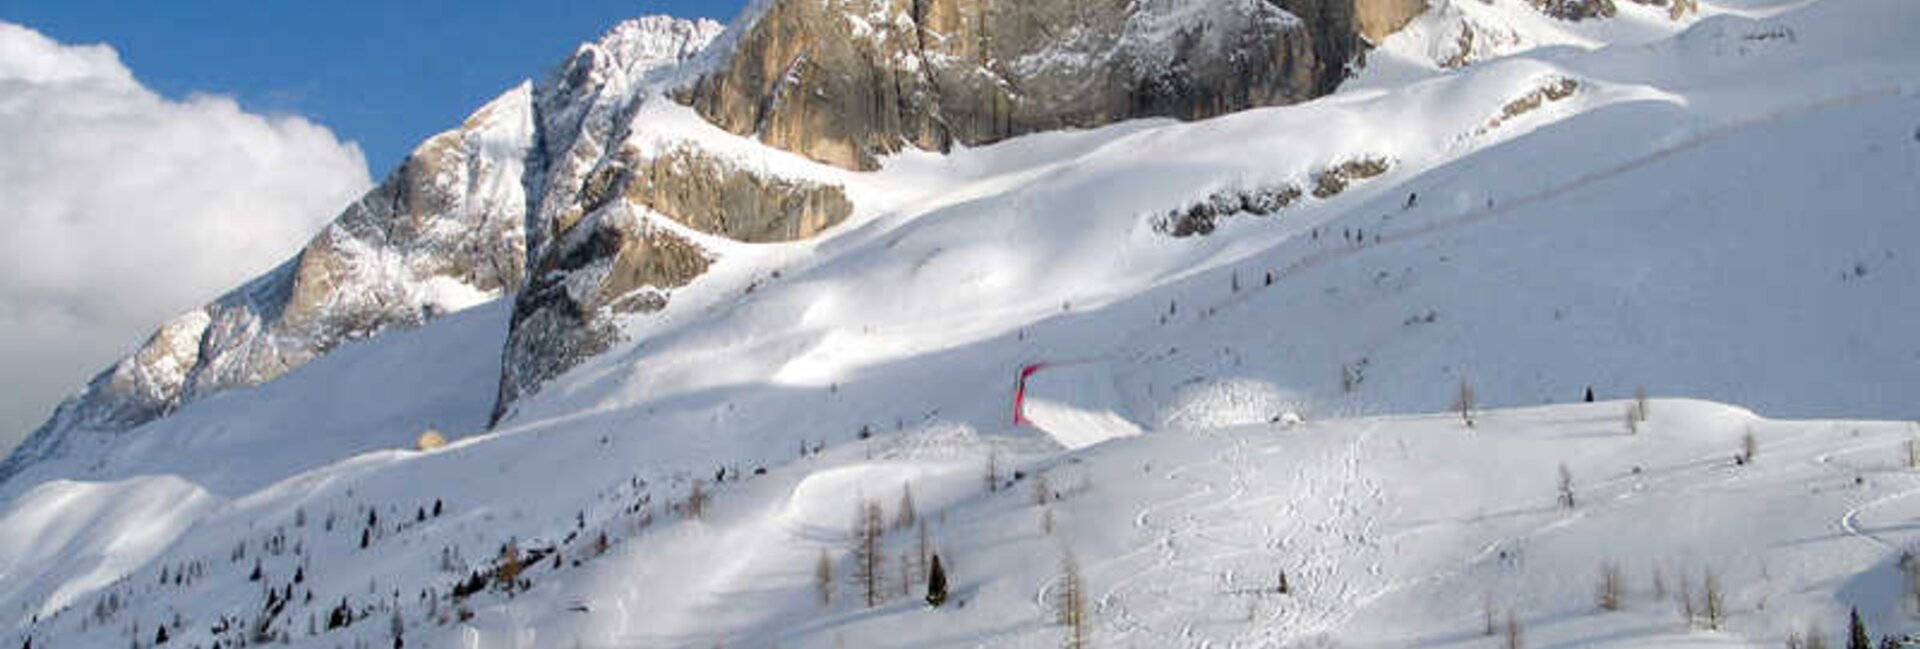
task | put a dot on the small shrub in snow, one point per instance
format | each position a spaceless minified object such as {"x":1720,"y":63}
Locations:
{"x":1070,"y":604}
{"x":907,"y":515}
{"x":507,"y":575}
{"x":1687,"y":610}
{"x":1611,"y":583}
{"x":1713,"y":605}
{"x":823,"y":578}
{"x":992,"y":473}
{"x":1486,"y":615}
{"x":1464,"y":401}
{"x":1512,"y":638}
{"x":1566,"y":487}
{"x":696,"y":504}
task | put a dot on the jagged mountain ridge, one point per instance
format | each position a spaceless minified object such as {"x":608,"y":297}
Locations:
{"x":449,"y":229}
{"x":542,"y":193}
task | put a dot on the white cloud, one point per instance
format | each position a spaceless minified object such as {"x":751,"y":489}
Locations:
{"x":120,"y":208}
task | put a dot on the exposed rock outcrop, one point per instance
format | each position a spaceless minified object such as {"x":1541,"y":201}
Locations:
{"x":615,"y":262}
{"x":847,"y":81}
{"x":707,"y":194}
{"x":585,"y":108}
{"x":1379,"y":19}
{"x":604,"y":231}
{"x":1549,"y":91}
{"x":1576,"y":9}
{"x":1202,"y":217}
{"x":621,"y":259}
{"x":1333,"y":180}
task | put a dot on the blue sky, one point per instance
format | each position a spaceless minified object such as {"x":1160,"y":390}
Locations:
{"x":383,"y":73}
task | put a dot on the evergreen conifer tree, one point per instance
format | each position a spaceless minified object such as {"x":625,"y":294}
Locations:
{"x":1857,"y":632}
{"x":936,"y":584}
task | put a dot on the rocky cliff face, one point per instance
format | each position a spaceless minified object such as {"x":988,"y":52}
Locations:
{"x":631,"y":246}
{"x":612,"y":230}
{"x":846,"y":81}
{"x":622,"y":244}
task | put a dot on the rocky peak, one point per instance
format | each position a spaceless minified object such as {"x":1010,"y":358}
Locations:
{"x":585,"y":104}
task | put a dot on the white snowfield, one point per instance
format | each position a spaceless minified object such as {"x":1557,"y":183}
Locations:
{"x":1077,"y":404}
{"x":1723,"y":210}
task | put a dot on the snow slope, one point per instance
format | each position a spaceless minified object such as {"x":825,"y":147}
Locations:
{"x":1725,"y":214}
{"x":372,"y":394}
{"x":1077,"y":405}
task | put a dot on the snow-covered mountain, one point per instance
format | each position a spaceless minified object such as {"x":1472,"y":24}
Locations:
{"x":1193,"y":354}
{"x":450,"y":229}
